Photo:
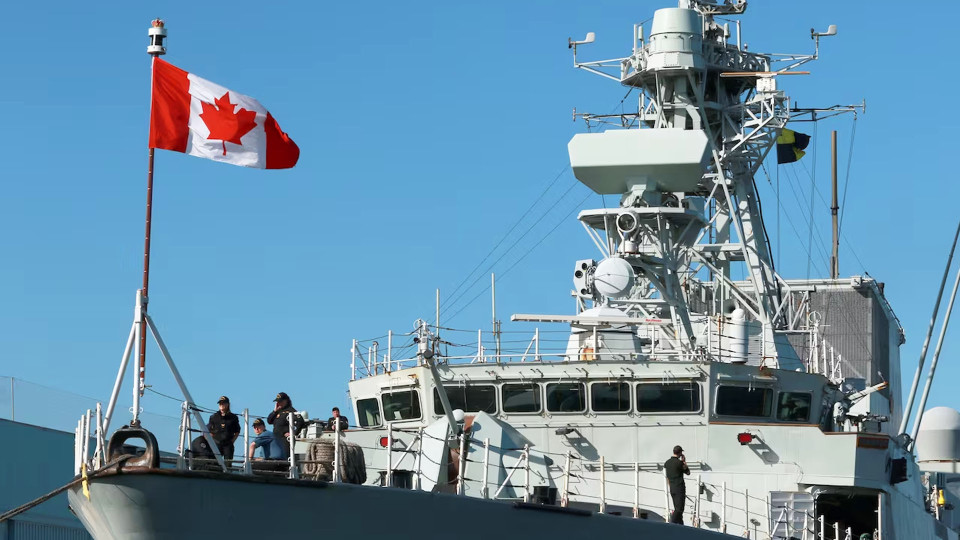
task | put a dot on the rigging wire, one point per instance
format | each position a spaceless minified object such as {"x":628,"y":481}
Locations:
{"x":525,"y":254}
{"x":453,"y":298}
{"x":502,"y":239}
{"x":846,"y":180}
{"x":813,"y":186}
{"x":454,"y":301}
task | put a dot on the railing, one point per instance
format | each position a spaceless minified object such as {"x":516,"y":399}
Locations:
{"x":368,"y":359}
{"x":730,"y":511}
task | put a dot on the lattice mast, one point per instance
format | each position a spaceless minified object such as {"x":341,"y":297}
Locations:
{"x":709,"y":111}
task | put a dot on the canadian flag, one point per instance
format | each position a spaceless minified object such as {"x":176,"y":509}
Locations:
{"x":193,"y":115}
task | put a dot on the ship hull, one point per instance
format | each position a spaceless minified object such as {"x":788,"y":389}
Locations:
{"x":152,"y":504}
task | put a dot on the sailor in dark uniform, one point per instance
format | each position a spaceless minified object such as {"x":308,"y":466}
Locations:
{"x":280,"y":421}
{"x":224,"y":426}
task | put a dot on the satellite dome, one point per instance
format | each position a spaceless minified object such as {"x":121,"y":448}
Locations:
{"x":939,"y":435}
{"x":613,"y":277}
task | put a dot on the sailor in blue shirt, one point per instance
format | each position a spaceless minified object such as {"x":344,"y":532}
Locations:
{"x":266,"y":442}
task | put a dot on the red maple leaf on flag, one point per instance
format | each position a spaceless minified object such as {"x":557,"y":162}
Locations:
{"x":224,"y":124}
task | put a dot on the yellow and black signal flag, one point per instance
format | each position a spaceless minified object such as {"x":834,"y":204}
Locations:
{"x":791,"y":145}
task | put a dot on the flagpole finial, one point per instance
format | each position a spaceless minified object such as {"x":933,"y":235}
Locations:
{"x":157,"y":34}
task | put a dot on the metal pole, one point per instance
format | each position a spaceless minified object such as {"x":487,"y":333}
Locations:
{"x":438,"y":313}
{"x":294,"y":473}
{"x":182,"y":446}
{"x":336,"y":451}
{"x":98,"y":454}
{"x":485,"y":491}
{"x":926,"y":343}
{"x":746,"y":492}
{"x":835,"y":258}
{"x":836,"y":530}
{"x":86,"y":436}
{"x":390,"y":347}
{"x":696,"y":504}
{"x":462,"y":465}
{"x":157,"y":34}
{"x":603,"y":486}
{"x":823,"y":527}
{"x":137,"y":347}
{"x":565,"y":497}
{"x":723,"y":508}
{"x":389,"y":477}
{"x":416,"y":482}
{"x":666,"y":499}
{"x":246,"y":441}
{"x":353,"y":361}
{"x":636,"y":489}
{"x":536,"y":350}
{"x":526,"y":473}
{"x":496,"y":324}
{"x":933,"y":363}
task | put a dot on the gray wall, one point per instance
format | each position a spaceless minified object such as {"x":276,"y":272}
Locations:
{"x":35,"y":461}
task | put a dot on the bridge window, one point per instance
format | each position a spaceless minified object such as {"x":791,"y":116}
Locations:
{"x":521,"y":398}
{"x":668,"y":397}
{"x":794,"y":406}
{"x":610,"y":397}
{"x":566,"y":397}
{"x":401,"y":405}
{"x":744,"y":401}
{"x":368,"y":412}
{"x":468,"y":398}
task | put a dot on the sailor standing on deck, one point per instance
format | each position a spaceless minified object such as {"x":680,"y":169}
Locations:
{"x":224,"y":427}
{"x":675,"y":468}
{"x":279,"y":418}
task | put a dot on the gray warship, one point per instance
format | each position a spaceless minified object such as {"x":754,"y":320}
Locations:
{"x":783,"y":392}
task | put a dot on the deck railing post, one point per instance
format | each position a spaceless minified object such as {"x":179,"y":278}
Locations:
{"x":388,"y":480}
{"x":696,"y":503}
{"x":636,"y":489}
{"x":823,"y":527}
{"x":390,"y":348}
{"x":462,"y":465}
{"x":294,"y":473}
{"x":746,"y":512}
{"x":536,"y":351}
{"x":247,"y":466}
{"x":86,"y":437}
{"x":336,"y":451}
{"x":565,"y":496}
{"x":416,"y":480}
{"x":485,"y":490}
{"x":836,"y":530}
{"x":526,"y":473}
{"x":603,"y":485}
{"x":723,"y":508}
{"x":666,"y":497}
{"x":353,"y":361}
{"x":98,"y":456}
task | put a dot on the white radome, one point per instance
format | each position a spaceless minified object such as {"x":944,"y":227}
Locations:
{"x":614,"y":277}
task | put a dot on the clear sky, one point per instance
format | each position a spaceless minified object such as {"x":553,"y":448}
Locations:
{"x":426,"y":130}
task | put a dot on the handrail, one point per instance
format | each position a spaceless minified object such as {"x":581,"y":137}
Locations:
{"x":585,"y":470}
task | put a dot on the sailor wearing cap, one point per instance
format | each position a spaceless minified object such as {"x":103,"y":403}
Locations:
{"x":266,"y":441}
{"x":675,"y":468}
{"x":224,"y":426}
{"x":279,"y":418}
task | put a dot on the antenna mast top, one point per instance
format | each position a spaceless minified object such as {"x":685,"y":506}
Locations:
{"x":157,"y":34}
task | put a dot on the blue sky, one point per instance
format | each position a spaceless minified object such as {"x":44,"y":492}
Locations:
{"x":426,"y":131}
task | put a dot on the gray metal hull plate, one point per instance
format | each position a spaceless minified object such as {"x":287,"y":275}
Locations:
{"x":154,"y":505}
